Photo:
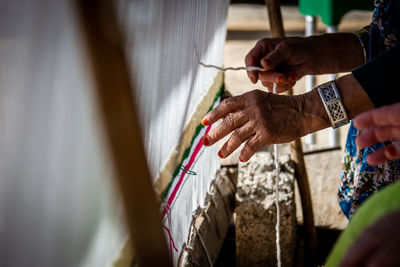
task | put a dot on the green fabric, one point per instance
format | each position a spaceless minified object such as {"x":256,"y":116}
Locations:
{"x":332,"y":11}
{"x":380,"y":204}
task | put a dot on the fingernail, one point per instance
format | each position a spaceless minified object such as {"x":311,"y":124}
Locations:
{"x":252,"y":78}
{"x":280,"y":79}
{"x":205,"y":140}
{"x":292,"y":77}
{"x":240,"y":159}
{"x":220,"y":154}
{"x":204,"y":122}
{"x":292,"y":84}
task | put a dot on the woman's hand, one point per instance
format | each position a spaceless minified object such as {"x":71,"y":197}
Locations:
{"x":385,"y":126}
{"x":378,"y":245}
{"x":288,"y":59}
{"x":285,"y":59}
{"x":257,"y":118}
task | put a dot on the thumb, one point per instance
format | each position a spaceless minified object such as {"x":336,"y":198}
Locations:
{"x":274,"y":58}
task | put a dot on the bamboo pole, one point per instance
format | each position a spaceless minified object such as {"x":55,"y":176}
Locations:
{"x":296,"y":149}
{"x":104,"y":44}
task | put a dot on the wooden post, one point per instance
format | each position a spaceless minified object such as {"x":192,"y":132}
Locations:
{"x":296,"y":149}
{"x":105,"y":48}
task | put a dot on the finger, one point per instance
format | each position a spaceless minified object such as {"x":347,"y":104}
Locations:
{"x":377,"y":135}
{"x":388,"y":115}
{"x":272,"y":77}
{"x":252,"y":146}
{"x":280,"y":88}
{"x":268,"y":85}
{"x":228,"y":105}
{"x":229,"y":124}
{"x":253,"y":59}
{"x":274,"y":58}
{"x":389,"y":152}
{"x":239,"y":136}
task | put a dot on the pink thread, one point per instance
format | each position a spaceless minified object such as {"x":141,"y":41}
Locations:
{"x":171,"y":240}
{"x":188,"y":165}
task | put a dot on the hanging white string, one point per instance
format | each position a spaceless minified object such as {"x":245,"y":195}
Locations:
{"x":276,"y":161}
{"x":251,"y":68}
{"x":278,"y":221}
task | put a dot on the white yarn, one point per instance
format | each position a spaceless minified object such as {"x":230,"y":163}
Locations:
{"x":278,"y":221}
{"x":48,"y":108}
{"x":250,"y":68}
{"x":276,"y":161}
{"x":170,"y":90}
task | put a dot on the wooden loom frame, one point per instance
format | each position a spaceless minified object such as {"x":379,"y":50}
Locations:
{"x":104,"y":43}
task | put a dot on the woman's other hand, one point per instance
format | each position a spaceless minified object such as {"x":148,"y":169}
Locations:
{"x":385,"y":126}
{"x":285,"y":59}
{"x":288,"y":59}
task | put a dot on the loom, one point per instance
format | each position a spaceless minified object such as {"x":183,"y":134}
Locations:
{"x":64,"y":73}
{"x":59,"y":205}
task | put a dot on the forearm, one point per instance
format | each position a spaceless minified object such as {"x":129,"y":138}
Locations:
{"x":334,"y":53}
{"x":354,"y":98}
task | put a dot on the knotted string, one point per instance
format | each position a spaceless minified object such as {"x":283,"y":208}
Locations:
{"x":250,"y":68}
{"x":186,"y":170}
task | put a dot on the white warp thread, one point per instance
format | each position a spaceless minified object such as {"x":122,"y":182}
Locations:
{"x":250,"y":68}
{"x":170,"y":92}
{"x":278,"y":221}
{"x":276,"y":161}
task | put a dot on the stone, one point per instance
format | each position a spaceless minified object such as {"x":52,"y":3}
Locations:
{"x":323,"y":171}
{"x":210,"y":223}
{"x":255,"y":212}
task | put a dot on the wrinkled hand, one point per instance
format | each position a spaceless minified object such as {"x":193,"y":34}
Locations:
{"x":386,"y":126}
{"x":378,"y":245}
{"x":288,"y":59}
{"x":285,"y":59}
{"x":257,"y":118}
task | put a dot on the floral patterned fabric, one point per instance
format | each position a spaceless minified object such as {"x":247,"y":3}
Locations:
{"x":360,"y":180}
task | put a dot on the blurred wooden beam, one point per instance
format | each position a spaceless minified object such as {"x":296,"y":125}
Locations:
{"x":296,"y":149}
{"x":275,"y":18}
{"x":105,"y":47}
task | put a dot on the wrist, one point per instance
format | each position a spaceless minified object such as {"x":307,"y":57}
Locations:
{"x":313,"y":112}
{"x":334,"y":53}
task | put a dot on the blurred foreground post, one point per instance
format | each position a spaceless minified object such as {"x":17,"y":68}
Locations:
{"x":106,"y":54}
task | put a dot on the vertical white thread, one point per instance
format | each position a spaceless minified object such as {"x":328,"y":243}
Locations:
{"x":276,"y":160}
{"x":277,"y":226}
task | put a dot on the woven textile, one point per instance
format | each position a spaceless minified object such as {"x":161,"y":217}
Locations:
{"x":58,"y":203}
